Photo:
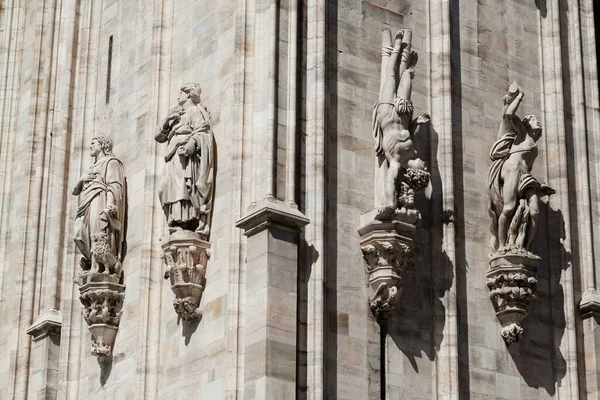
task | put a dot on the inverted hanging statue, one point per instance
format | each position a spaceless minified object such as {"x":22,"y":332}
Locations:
{"x":514,"y":207}
{"x":394,"y":128}
{"x":387,"y":235}
{"x":186,"y":195}
{"x":100,"y":230}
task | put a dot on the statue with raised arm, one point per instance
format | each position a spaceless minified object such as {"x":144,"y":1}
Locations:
{"x":186,"y":191}
{"x":514,"y":192}
{"x":101,"y":215}
{"x":394,"y":127}
{"x":514,"y":208}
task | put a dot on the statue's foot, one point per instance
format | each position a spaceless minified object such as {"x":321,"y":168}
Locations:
{"x":385,"y":212}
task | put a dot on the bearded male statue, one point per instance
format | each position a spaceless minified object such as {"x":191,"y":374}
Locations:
{"x":100,"y":225}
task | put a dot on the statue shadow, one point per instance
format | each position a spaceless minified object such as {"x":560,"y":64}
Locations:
{"x":105,"y":364}
{"x":542,"y":6}
{"x":189,"y":327}
{"x":537,"y":355}
{"x":417,"y":326}
{"x":307,"y":256}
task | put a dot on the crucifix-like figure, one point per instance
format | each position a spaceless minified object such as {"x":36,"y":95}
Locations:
{"x":394,"y":127}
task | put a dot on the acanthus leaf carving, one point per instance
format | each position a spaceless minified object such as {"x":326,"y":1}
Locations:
{"x":387,"y":250}
{"x":186,"y":256}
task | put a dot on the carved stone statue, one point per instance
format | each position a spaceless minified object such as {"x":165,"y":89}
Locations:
{"x":394,"y":127}
{"x":100,"y":226}
{"x":514,"y":192}
{"x":186,"y":195}
{"x":386,"y":234}
{"x":186,"y":192}
{"x":514,"y":208}
{"x":100,"y":232}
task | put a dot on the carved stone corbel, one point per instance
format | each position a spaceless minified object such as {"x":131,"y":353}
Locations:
{"x":102,"y":298}
{"x":387,"y":248}
{"x":186,"y":256}
{"x":513,"y":284}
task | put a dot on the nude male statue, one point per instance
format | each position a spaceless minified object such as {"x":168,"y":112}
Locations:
{"x":509,"y":180}
{"x":393,"y":126}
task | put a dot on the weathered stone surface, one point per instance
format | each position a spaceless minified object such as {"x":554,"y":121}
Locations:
{"x":291,"y":87}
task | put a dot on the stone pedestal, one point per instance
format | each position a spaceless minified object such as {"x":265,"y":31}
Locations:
{"x":513,"y":284}
{"x":590,"y":304}
{"x":102,"y":298}
{"x":271,"y":300}
{"x":387,"y":248}
{"x":186,"y":257}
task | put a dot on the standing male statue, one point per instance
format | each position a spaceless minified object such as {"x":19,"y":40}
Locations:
{"x":514,"y":192}
{"x":101,"y":215}
{"x":186,"y":192}
{"x":393,"y":126}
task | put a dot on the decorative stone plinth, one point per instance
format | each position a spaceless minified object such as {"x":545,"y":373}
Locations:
{"x":590,"y":303}
{"x":387,"y":248}
{"x":102,"y":298}
{"x":186,"y":257}
{"x":513,"y":284}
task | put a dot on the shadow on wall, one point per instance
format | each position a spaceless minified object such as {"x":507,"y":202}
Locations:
{"x":417,"y":325}
{"x":537,"y":356}
{"x":541,"y":5}
{"x":432,"y":273}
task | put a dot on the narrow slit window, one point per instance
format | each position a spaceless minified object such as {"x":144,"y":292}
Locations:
{"x":108,"y":68}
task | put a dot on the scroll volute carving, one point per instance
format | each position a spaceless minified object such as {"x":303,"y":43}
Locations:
{"x":514,"y":207}
{"x":100,"y":236}
{"x":386,"y":238}
{"x":186,"y":194}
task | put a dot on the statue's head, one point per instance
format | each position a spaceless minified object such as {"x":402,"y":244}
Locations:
{"x":416,"y":164}
{"x":101,"y":144}
{"x":534,"y":125}
{"x":191,"y":91}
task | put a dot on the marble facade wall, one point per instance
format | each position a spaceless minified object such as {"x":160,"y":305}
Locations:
{"x":290,"y":87}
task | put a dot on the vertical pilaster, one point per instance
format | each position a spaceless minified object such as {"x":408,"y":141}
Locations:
{"x":271,"y":301}
{"x":446,"y":364}
{"x":553,"y":106}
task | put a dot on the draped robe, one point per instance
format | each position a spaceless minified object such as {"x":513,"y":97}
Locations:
{"x":91,"y":216}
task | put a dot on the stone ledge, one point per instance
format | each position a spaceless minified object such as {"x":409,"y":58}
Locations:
{"x":46,"y":324}
{"x":270,"y":212}
{"x":590,"y":304}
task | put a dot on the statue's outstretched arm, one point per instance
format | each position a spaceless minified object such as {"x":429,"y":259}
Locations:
{"x":514,"y":105}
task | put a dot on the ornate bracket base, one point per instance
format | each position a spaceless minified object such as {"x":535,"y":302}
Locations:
{"x":387,"y":248}
{"x":186,"y":256}
{"x":102,"y":298}
{"x":590,"y":303}
{"x":513,"y":284}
